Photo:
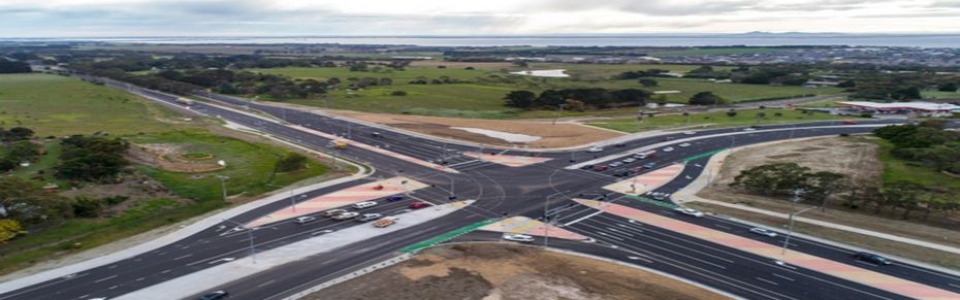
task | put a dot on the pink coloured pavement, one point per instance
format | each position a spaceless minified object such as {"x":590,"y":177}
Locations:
{"x":527,"y":226}
{"x":360,"y":193}
{"x":352,"y":143}
{"x":646,"y":182}
{"x":840,"y":270}
{"x":515,"y":161}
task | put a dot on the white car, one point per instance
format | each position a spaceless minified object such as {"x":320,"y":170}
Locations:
{"x":595,"y":149}
{"x":364,"y":204}
{"x":684,"y":145}
{"x":689,"y":132}
{"x":668,"y":149}
{"x":305,"y":219}
{"x":762,"y":231}
{"x":523,"y":238}
{"x":690,"y":212}
{"x":628,"y":160}
{"x":749,"y":129}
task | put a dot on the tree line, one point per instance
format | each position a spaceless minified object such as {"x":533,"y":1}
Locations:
{"x":577,"y":99}
{"x":926,"y":144}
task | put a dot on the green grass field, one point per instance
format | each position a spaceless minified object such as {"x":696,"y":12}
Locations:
{"x":896,"y":169}
{"x":715,"y":119}
{"x":483,"y":96}
{"x":601,"y":72}
{"x":250,"y":166}
{"x":57,"y":105}
{"x":932,"y":94}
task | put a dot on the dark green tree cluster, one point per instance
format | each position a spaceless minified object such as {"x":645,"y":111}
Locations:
{"x":643,"y":73}
{"x":707,"y":72}
{"x":291,"y":162}
{"x":785,"y":179}
{"x":15,"y":134}
{"x":11,"y":67}
{"x":26,"y":202}
{"x":588,"y":98}
{"x":927,"y":144}
{"x":779,"y":74}
{"x":706,"y":98}
{"x":92,"y":158}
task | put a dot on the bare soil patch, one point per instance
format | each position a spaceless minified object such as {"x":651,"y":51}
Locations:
{"x":170,"y":157}
{"x":553,"y":136}
{"x":508,"y":272}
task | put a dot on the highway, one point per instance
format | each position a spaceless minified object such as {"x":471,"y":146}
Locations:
{"x":500,"y":191}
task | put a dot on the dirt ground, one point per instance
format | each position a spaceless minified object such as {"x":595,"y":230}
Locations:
{"x":856,"y":160}
{"x":508,"y":272}
{"x":561,"y":135}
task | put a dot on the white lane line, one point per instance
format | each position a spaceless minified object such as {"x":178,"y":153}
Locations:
{"x":165,"y":271}
{"x":583,"y":218}
{"x":724,"y":227}
{"x":266,"y":283}
{"x":621,"y":232}
{"x":182,"y":257}
{"x":105,"y":279}
{"x":783,"y":277}
{"x":767,"y":281}
{"x":610,"y":236}
{"x":329,"y":261}
{"x":84,"y":296}
{"x":954,"y":285}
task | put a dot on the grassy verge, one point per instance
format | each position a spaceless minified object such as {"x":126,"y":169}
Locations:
{"x":896,"y":169}
{"x":714,"y":119}
{"x":250,"y":166}
{"x":922,"y":254}
{"x":57,"y":105}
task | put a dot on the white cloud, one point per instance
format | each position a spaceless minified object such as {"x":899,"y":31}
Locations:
{"x":22,"y":18}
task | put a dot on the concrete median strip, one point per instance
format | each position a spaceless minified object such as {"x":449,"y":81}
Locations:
{"x":514,"y":161}
{"x":527,"y":226}
{"x":226,"y":272}
{"x":848,"y":272}
{"x":376,"y":149}
{"x":363,"y":192}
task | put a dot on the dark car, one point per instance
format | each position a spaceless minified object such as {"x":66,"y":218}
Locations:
{"x":418,"y":205}
{"x":214,"y":296}
{"x":872,"y":258}
{"x":587,"y":167}
{"x":394,"y":198}
{"x":601,"y":168}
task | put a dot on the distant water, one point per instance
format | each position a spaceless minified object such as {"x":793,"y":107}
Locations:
{"x":749,"y":39}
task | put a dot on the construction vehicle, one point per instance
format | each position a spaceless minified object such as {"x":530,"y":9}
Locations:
{"x":337,"y":144}
{"x":385,"y":222}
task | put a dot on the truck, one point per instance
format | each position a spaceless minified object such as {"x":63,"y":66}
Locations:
{"x":184,"y":101}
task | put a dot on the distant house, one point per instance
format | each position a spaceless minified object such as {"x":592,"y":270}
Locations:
{"x":918,"y":109}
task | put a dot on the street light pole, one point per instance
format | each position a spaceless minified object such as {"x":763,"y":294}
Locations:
{"x":253,"y":251}
{"x":223,"y":186}
{"x":546,"y":222}
{"x":786,"y":242}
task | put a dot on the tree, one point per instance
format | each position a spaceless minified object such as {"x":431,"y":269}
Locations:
{"x":291,"y":162}
{"x":847,"y":84}
{"x":520,"y":99}
{"x":947,"y":87}
{"x":779,"y":179}
{"x":823,"y":185}
{"x":91,"y":158}
{"x":87,"y":207}
{"x":647,"y":82}
{"x":10,"y":67}
{"x":706,"y":98}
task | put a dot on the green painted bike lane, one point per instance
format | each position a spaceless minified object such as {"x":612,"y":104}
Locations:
{"x":447,"y":236}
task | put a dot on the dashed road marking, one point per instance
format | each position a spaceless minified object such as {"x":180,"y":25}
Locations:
{"x":767,"y":281}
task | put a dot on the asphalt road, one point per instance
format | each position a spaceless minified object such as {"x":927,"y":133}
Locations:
{"x":500,"y":191}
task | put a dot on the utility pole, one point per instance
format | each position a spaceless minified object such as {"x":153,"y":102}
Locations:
{"x":786,"y":242}
{"x":546,"y":222}
{"x":253,"y":250}
{"x":293,"y":201}
{"x":223,"y":186}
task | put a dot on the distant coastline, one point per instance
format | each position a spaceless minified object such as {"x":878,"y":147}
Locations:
{"x":639,"y":40}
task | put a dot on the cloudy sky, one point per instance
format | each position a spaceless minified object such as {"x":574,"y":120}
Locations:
{"x":75,"y":18}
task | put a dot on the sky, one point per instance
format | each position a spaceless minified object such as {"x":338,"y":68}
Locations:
{"x":105,"y":18}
